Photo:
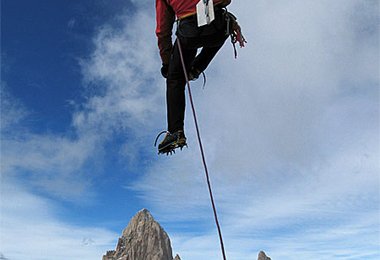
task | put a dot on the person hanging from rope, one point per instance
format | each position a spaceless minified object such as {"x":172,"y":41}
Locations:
{"x":201,"y":24}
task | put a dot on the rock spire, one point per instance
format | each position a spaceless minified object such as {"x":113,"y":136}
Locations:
{"x":143,"y":238}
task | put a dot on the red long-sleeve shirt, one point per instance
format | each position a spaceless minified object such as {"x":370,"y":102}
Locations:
{"x":166,"y":11}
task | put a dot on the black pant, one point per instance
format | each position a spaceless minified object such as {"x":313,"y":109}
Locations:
{"x":210,"y":38}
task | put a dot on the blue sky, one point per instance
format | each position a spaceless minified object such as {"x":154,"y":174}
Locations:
{"x":291,"y":132}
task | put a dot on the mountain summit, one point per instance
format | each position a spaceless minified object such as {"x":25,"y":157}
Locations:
{"x":143,"y":238}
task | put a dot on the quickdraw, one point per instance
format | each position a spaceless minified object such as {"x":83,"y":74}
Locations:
{"x":234,"y":31}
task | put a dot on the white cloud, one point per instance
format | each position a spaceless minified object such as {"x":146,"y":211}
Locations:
{"x":124,"y":66}
{"x":31,"y":229}
{"x":11,"y":111}
{"x":288,"y":129}
{"x":60,"y":165}
{"x":51,"y":162}
{"x":122,"y":98}
{"x":291,"y":133}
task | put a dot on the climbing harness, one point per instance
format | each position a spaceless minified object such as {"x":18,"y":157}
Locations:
{"x":234,"y":31}
{"x":201,"y":150}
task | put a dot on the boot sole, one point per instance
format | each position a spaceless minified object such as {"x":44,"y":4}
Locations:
{"x":170,"y":147}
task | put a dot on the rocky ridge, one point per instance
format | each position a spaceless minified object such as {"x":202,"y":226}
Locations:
{"x":263,"y":256}
{"x":145,"y":239}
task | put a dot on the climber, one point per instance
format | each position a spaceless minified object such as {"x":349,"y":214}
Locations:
{"x":210,"y":36}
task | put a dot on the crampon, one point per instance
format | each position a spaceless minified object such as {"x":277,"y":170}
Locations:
{"x":171,"y":142}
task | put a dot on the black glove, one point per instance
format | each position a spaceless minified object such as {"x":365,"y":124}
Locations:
{"x":164,"y":70}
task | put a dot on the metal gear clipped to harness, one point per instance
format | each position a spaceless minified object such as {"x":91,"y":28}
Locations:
{"x":234,"y":31}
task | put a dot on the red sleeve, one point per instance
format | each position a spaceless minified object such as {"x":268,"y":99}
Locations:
{"x":165,"y":18}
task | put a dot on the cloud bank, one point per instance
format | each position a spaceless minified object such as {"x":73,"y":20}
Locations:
{"x":42,"y":173}
{"x":291,"y":133}
{"x":291,"y":137}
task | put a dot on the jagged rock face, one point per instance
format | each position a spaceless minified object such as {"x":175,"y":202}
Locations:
{"x":177,"y":257}
{"x":263,"y":256}
{"x":143,"y":238}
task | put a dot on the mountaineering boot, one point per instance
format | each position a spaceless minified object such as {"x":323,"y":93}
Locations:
{"x":172,"y":141}
{"x":181,"y":139}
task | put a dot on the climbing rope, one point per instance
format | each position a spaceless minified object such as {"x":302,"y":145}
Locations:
{"x":201,"y":149}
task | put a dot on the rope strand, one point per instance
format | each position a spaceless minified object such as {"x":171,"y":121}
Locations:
{"x":202,"y":152}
